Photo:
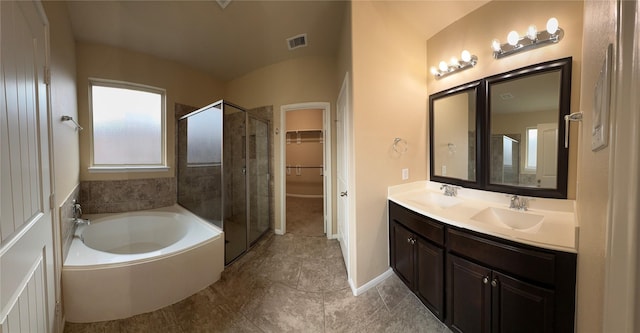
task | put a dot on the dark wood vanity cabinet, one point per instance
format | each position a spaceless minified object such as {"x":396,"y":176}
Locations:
{"x":417,"y":256}
{"x":480,"y":283}
{"x":483,"y":300}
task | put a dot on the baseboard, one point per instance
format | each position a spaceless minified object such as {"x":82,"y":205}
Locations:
{"x":305,"y":195}
{"x":377,"y":280}
{"x":278,"y":232}
{"x":334,"y":236}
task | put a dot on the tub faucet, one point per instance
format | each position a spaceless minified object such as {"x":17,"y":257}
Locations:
{"x":518,"y":203}
{"x":77,"y":213}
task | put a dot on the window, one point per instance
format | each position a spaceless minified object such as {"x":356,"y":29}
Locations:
{"x":128,"y":122}
{"x":532,"y":149}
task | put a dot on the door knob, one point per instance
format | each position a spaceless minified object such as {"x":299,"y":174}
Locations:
{"x":343,"y":194}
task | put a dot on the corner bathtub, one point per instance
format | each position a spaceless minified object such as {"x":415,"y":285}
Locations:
{"x":131,"y":263}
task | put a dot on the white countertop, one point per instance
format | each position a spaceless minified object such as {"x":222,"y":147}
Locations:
{"x":557,"y":228}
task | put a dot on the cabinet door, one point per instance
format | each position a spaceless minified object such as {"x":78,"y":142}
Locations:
{"x":521,"y":307}
{"x":430,"y":268}
{"x":403,"y":254}
{"x":469,"y":296}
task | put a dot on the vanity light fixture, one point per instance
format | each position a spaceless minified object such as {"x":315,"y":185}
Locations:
{"x":467,"y":60}
{"x":532,"y":39}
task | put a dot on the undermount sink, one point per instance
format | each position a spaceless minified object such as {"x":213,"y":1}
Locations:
{"x":436,"y":200}
{"x":513,"y":219}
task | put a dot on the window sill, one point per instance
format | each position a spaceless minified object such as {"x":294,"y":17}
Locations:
{"x":116,"y":169}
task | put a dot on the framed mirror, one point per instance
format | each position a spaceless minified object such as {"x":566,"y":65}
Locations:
{"x":524,"y":144}
{"x":454,"y":135}
{"x":504,"y":133}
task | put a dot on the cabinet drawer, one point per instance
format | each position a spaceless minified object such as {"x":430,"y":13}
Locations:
{"x":530,"y":264}
{"x":422,"y":225}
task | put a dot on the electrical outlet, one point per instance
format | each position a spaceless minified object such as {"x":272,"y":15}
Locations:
{"x":405,"y":174}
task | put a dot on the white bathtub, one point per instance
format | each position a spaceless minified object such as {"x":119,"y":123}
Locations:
{"x":136,"y":262}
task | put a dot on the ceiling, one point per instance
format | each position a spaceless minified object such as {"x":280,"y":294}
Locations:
{"x":244,"y":36}
{"x":532,"y":93}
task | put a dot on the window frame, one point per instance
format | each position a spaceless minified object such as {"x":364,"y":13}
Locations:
{"x":105,"y":168}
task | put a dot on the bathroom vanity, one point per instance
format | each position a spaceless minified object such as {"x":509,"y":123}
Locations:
{"x":482,"y":267}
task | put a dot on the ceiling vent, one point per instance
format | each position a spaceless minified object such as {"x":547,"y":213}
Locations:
{"x":223,"y":3}
{"x":506,"y":96}
{"x":297,"y":41}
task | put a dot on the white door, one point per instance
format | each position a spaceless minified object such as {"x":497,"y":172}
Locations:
{"x":343,"y":143}
{"x":547,"y":155}
{"x":27,"y":300}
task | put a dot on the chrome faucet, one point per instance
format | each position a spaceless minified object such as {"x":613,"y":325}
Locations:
{"x":449,"y":190}
{"x":518,"y":203}
{"x":77,"y":214}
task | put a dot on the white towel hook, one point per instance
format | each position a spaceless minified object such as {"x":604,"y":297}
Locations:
{"x":69,"y":118}
{"x":576,"y":116}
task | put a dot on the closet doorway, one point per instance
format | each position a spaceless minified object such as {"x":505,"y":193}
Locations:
{"x":306,"y":164}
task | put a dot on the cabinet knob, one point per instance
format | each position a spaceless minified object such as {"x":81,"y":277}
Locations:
{"x":494,"y":283}
{"x":409,"y":240}
{"x":485,"y":280}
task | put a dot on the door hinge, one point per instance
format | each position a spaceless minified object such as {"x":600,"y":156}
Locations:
{"x":47,"y":75}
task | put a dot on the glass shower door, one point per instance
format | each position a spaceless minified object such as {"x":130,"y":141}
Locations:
{"x":235,"y":189}
{"x":200,"y":163}
{"x":258,"y":150}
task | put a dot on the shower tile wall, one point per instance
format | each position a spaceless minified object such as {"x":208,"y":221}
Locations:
{"x":501,"y":174}
{"x":234,"y":148}
{"x":266,"y":113}
{"x":115,"y":196}
{"x":66,"y":221}
{"x":194,"y":183}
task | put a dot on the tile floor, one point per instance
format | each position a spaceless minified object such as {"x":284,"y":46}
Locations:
{"x":290,"y":283}
{"x":305,"y":216}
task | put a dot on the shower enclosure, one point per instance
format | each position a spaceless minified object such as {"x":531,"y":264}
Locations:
{"x":223,"y":172}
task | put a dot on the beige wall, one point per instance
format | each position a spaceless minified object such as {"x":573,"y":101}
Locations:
{"x":510,"y":123}
{"x":183,"y":85}
{"x":308,"y":79}
{"x":592,"y":192}
{"x":389,"y":101}
{"x":451,"y":115}
{"x":63,"y":100}
{"x":475,"y":32}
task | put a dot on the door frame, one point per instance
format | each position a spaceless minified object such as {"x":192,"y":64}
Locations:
{"x":327,"y":170}
{"x":622,"y":272}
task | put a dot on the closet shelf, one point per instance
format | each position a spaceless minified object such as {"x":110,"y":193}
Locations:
{"x":305,"y":135}
{"x":306,"y":166}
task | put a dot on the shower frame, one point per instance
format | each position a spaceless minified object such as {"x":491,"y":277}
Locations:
{"x":249,"y":241}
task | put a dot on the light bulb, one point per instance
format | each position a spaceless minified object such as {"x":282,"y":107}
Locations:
{"x":443,"y":66}
{"x":513,"y":38}
{"x":434,"y":71}
{"x":552,"y":25}
{"x":465,"y":56}
{"x":454,"y":62}
{"x":532,"y":32}
{"x":495,"y":45}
